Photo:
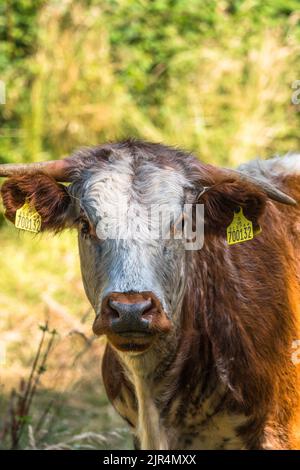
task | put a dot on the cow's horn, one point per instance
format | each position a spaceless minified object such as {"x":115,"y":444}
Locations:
{"x":263,"y":184}
{"x":58,"y":169}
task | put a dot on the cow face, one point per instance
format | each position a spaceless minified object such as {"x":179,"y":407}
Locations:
{"x":132,"y":259}
{"x":127,"y":202}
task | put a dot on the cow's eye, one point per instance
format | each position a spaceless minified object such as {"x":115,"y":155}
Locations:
{"x":84,"y":227}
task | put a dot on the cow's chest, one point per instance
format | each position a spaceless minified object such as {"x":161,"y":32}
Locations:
{"x":204,"y":425}
{"x":188,"y":423}
{"x":218,"y":432}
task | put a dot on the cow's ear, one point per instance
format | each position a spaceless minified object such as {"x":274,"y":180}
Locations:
{"x":223,"y":198}
{"x":51,"y":199}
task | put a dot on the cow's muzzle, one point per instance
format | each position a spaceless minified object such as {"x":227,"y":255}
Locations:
{"x":131,"y":321}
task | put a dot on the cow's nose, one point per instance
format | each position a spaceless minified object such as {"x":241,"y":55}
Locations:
{"x":129,"y":315}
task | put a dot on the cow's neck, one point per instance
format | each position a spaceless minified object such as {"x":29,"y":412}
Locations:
{"x":152,"y":434}
{"x":164,"y":389}
{"x":152,"y":389}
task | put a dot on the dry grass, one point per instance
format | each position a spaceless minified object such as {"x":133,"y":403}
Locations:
{"x":51,"y":394}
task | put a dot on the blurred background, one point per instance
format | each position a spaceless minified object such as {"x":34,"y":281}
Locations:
{"x":218,"y":78}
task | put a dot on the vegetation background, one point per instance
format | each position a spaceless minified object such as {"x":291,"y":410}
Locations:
{"x":214,"y":77}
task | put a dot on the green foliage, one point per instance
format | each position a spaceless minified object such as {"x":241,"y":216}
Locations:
{"x":18,"y":30}
{"x":212,"y":76}
{"x":150,"y":36}
{"x":18,"y":40}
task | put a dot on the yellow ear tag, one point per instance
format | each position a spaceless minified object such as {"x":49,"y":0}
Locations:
{"x":240,"y":230}
{"x":27,"y":218}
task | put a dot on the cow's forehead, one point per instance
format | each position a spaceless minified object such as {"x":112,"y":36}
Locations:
{"x":125,"y":180}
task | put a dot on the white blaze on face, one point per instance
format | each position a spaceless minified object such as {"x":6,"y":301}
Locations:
{"x":117,"y":199}
{"x":105,"y":193}
{"x":127,"y":205}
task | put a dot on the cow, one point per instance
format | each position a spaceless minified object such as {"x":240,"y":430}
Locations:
{"x":199,"y":341}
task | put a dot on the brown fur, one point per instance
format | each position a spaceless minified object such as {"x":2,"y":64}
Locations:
{"x":48,"y":197}
{"x":239,"y":319}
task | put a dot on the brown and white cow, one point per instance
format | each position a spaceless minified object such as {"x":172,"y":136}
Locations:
{"x":199,"y":341}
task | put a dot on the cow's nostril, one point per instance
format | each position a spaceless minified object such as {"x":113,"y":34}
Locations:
{"x":129,"y":315}
{"x":113,"y":312}
{"x":122,"y":309}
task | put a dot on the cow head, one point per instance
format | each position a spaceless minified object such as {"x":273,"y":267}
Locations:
{"x":136,"y":283}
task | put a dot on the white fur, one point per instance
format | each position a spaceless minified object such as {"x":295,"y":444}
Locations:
{"x":287,"y":164}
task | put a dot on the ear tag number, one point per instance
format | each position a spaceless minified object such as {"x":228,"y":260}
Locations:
{"x":240,"y":230}
{"x":27,"y":218}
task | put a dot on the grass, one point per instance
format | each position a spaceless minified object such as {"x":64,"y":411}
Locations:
{"x":65,"y":405}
